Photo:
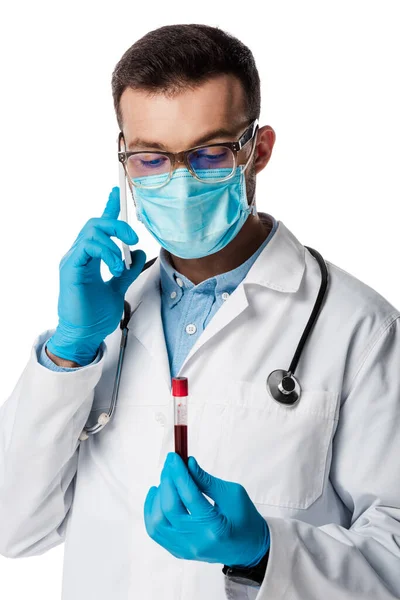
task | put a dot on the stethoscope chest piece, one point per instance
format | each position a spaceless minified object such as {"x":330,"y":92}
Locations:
{"x":284,"y":387}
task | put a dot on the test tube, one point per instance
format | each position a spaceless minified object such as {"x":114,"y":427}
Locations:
{"x":180,"y":394}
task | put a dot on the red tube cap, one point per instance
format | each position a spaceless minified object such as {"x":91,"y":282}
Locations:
{"x":179,"y":386}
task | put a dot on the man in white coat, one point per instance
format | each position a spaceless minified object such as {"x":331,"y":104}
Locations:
{"x":291,"y":502}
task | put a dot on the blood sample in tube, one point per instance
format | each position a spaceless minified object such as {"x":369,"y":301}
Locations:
{"x":180,"y":394}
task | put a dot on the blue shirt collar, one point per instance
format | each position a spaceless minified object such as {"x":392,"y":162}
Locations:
{"x":173,"y":283}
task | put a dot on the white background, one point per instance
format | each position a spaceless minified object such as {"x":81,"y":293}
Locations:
{"x":330,"y":90}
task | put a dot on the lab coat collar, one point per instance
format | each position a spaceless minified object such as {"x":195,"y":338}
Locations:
{"x":281,"y":264}
{"x":214,"y":286}
{"x":280,"y":267}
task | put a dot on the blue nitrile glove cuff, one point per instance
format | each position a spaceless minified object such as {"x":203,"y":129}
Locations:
{"x":63,"y":343}
{"x":262,"y":552}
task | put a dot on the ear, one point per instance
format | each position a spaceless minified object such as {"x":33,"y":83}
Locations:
{"x":264,"y":145}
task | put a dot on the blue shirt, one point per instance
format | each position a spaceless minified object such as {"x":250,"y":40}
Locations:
{"x":186,"y":309}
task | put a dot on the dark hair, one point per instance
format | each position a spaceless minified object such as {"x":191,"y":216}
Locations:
{"x":172,"y":57}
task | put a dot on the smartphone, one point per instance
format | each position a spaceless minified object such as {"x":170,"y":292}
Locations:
{"x":123,"y":214}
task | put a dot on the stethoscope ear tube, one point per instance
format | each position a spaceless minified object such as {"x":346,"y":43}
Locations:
{"x":282,"y":385}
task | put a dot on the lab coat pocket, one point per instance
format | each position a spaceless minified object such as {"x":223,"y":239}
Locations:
{"x":278,"y":453}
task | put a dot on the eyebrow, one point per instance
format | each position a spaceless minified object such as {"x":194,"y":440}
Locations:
{"x":221,"y":132}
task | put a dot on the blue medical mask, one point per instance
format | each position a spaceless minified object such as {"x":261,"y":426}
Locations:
{"x":192,"y":219}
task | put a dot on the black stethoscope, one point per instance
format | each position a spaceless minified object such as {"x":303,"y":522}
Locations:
{"x":282,"y":385}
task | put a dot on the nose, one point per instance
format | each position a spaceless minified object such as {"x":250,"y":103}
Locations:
{"x":179,"y":159}
{"x":179,"y":156}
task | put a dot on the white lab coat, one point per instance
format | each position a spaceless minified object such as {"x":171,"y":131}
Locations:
{"x":324,"y":473}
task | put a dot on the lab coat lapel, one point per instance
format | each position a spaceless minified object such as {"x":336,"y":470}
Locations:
{"x":279,"y":267}
{"x":229,"y":311}
{"x":146,"y":322}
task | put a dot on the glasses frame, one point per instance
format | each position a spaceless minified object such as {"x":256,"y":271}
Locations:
{"x":182,"y":156}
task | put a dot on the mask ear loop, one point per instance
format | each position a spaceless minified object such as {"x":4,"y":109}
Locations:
{"x":252,"y":205}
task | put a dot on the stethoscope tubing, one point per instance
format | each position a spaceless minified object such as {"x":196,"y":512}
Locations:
{"x":104,"y":417}
{"x":315,"y":311}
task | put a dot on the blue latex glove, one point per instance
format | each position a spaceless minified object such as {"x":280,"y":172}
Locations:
{"x":232,"y":532}
{"x":89,"y":309}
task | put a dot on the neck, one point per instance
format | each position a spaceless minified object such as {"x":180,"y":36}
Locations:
{"x":253,"y":233}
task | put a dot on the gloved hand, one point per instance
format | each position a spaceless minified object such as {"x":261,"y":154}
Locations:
{"x":89,"y":309}
{"x":232,"y":532}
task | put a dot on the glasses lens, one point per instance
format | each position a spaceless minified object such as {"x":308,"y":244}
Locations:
{"x":206,"y":161}
{"x":148,"y":169}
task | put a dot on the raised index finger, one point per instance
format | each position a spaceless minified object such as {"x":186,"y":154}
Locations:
{"x":113,"y":206}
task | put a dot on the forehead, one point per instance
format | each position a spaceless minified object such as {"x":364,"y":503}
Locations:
{"x":176,"y":121}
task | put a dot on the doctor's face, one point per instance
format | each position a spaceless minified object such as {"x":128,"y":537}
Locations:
{"x":212,"y":112}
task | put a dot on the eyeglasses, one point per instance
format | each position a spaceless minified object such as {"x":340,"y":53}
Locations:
{"x":210,"y":164}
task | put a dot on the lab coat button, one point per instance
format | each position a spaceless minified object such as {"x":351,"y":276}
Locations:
{"x":179,"y":281}
{"x":191,"y":329}
{"x":225,"y":296}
